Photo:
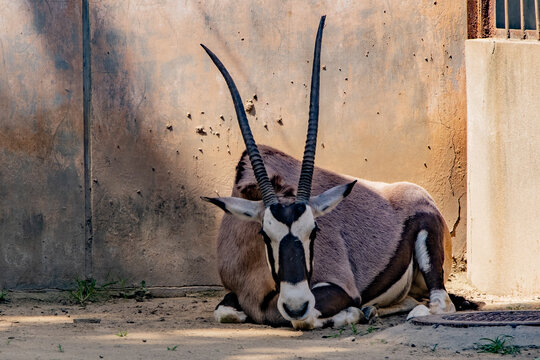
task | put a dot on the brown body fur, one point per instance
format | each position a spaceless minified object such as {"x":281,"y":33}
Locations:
{"x":355,"y":243}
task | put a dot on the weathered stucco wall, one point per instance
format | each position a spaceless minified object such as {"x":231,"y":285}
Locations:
{"x":41,"y":144}
{"x":392,"y":108}
{"x":504,"y":166}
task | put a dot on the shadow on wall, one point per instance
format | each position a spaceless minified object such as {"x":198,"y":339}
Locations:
{"x":147,"y":218}
{"x":41,"y":217}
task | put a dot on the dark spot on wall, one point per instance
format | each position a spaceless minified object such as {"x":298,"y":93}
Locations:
{"x":40,"y":19}
{"x":32,"y":226}
{"x":61,"y":64}
{"x":115,"y":38}
{"x":111,"y":64}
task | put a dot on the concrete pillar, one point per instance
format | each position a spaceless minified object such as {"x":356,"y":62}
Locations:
{"x":503,"y":135}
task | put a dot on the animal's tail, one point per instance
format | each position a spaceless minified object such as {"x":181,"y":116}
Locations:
{"x":462,"y":304}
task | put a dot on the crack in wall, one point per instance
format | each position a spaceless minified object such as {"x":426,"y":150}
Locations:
{"x":458,"y":219}
{"x":454,"y":160}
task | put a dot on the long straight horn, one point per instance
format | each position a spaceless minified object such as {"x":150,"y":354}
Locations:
{"x":267,"y":191}
{"x":306,"y":174}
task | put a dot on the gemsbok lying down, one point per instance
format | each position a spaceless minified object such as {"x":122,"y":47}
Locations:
{"x":379,"y":248}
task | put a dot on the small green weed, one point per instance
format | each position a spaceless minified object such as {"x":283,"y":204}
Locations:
{"x":370,"y":329}
{"x":3,"y":296}
{"x":122,"y":333}
{"x":434,"y":347}
{"x":354,"y":329}
{"x":88,"y":290}
{"x":338,"y":334}
{"x":85,"y":290}
{"x":500,"y":345}
{"x":60,"y":348}
{"x":172,"y":348}
{"x":138,"y":293}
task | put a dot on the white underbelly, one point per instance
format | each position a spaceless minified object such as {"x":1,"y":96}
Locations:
{"x":397,"y":292}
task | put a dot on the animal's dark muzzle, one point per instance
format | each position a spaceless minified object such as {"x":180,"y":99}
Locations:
{"x":296,"y":313}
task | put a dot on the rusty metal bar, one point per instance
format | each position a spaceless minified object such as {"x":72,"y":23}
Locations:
{"x":522,"y":18}
{"x":537,"y":19}
{"x":87,"y":108}
{"x":506,"y":19}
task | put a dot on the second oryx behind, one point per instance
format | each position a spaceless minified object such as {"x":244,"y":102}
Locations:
{"x":312,"y":261}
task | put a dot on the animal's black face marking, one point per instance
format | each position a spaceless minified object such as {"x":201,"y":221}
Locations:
{"x":292,"y":260}
{"x":287,"y":214}
{"x":289,"y":232}
{"x":270,"y":257}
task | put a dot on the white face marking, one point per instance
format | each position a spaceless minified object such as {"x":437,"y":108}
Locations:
{"x":275,"y":231}
{"x":302,"y":229}
{"x":295,"y":296}
{"x":397,"y":292}
{"x":421,"y":252}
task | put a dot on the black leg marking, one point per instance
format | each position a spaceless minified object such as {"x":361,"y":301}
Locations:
{"x":230,"y":300}
{"x":433,"y":224}
{"x":331,"y":299}
{"x":267,"y":299}
{"x":462,"y":304}
{"x":397,"y":265}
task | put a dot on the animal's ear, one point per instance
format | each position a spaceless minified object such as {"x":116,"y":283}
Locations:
{"x":328,"y":200}
{"x":241,"y":208}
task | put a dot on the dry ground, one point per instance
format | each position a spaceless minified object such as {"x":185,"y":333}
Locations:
{"x":42,"y":327}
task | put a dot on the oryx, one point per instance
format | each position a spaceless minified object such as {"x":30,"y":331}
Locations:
{"x":281,"y":266}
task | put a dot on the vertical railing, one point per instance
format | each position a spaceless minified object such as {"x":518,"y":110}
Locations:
{"x":537,"y":19}
{"x":495,"y":16}
{"x":522,"y":18}
{"x":506,"y":19}
{"x":87,"y":109}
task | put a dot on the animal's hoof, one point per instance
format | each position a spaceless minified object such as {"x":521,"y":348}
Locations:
{"x":311,"y":322}
{"x":370,"y":312}
{"x":354,"y":315}
{"x":227,"y":314}
{"x":302,"y":325}
{"x":420,"y":310}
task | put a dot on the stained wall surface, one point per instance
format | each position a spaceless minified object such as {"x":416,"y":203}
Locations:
{"x":392,"y":108}
{"x":504,"y":166}
{"x":41,"y":144}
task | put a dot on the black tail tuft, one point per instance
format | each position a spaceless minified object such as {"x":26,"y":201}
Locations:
{"x":463,"y":304}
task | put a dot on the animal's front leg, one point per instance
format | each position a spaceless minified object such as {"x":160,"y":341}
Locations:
{"x":333,"y":308}
{"x":229,"y":310}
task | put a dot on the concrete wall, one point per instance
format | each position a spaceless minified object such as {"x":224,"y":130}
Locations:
{"x":392,"y":108}
{"x":503,"y":83}
{"x":41,"y":144}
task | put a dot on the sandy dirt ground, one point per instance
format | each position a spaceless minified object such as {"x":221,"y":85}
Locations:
{"x":53,"y":327}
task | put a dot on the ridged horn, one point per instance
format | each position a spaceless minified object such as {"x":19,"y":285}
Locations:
{"x":306,"y":174}
{"x":267,"y":191}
